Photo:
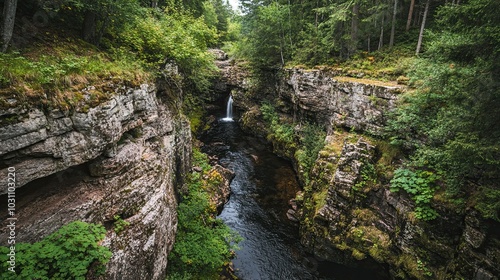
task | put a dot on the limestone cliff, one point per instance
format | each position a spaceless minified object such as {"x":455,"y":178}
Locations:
{"x":338,"y":101}
{"x":347,"y":213}
{"x":122,"y":159}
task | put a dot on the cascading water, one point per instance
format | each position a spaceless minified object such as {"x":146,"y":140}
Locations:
{"x":229,"y":110}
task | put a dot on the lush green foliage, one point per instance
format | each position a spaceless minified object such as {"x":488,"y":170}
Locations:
{"x":135,"y":36}
{"x":203,"y":243}
{"x":451,"y":123}
{"x":266,"y":43}
{"x":323,"y":32}
{"x":175,"y":37}
{"x":306,"y":142}
{"x":421,"y":185}
{"x":368,"y":177}
{"x":312,"y":141}
{"x":281,"y":132}
{"x":53,"y":74}
{"x":67,"y":253}
{"x":120,"y":224}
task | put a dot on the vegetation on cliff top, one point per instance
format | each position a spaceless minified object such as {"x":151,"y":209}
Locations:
{"x":59,"y":48}
{"x":451,"y":123}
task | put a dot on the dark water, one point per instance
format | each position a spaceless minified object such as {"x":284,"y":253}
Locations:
{"x":261,"y":189}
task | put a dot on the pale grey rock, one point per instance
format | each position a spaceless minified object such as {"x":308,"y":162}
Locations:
{"x":81,"y":136}
{"x":474,"y":236}
{"x":338,"y":102}
{"x":125,"y":157}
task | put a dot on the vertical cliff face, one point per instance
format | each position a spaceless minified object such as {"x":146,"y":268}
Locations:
{"x":347,"y":213}
{"x":339,"y":101}
{"x":121,"y":160}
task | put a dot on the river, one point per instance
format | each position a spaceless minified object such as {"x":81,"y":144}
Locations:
{"x":262,"y":186}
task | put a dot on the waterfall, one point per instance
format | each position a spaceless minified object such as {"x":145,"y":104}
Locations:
{"x":229,"y":110}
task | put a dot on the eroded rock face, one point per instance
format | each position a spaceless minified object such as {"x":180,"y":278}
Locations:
{"x":121,"y":160}
{"x":348,"y":218}
{"x":42,"y":144}
{"x":339,"y":101}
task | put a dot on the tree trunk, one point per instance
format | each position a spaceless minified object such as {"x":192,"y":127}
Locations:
{"x":9,"y":17}
{"x":90,"y":27}
{"x":410,"y":14}
{"x":354,"y":29}
{"x":393,"y":24}
{"x":422,"y":27}
{"x":418,"y":16}
{"x":381,"y":39}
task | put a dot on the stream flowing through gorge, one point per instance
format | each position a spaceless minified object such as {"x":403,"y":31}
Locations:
{"x":262,"y":186}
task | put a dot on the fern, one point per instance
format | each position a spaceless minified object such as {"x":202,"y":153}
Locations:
{"x":421,"y":185}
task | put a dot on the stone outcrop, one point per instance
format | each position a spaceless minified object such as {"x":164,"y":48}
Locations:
{"x":348,"y":217}
{"x":339,"y":101}
{"x":121,"y":160}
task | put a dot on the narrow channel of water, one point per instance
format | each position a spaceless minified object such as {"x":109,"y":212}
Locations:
{"x":262,"y":186}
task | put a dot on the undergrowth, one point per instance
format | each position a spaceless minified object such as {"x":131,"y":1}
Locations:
{"x":305,"y":142}
{"x":204,"y":244}
{"x":421,"y":185}
{"x":55,"y":73}
{"x":68,"y":253}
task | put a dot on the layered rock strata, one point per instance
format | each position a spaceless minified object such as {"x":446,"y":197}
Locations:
{"x":121,"y":160}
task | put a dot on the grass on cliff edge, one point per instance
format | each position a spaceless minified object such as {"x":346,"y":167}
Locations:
{"x":54,"y":71}
{"x":388,"y":64}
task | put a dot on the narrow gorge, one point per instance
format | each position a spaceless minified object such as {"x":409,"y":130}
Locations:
{"x":123,"y":163}
{"x":249,"y":139}
{"x":346,"y":210}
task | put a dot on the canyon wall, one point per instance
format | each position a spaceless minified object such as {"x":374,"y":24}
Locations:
{"x":347,"y":213}
{"x":120,"y":160}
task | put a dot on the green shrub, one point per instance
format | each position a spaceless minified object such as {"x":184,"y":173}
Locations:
{"x":421,"y":185}
{"x":120,"y":224}
{"x":368,"y":176}
{"x":307,"y":142}
{"x":281,"y":132}
{"x":65,"y":254}
{"x":203,"y":243}
{"x":312,"y":140}
{"x":488,"y":203}
{"x":175,"y":37}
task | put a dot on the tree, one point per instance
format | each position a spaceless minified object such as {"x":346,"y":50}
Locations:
{"x":410,"y":14}
{"x":452,"y":122}
{"x":422,"y":27}
{"x":100,"y":17}
{"x":354,"y":28}
{"x":381,"y":39}
{"x":9,"y":16}
{"x":267,"y":45}
{"x":393,"y":23}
